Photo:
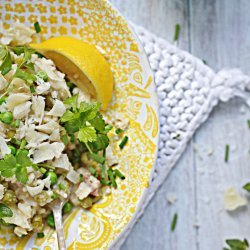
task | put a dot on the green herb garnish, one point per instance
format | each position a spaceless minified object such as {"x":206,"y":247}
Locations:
{"x":5,"y":211}
{"x":37,"y":27}
{"x":16,"y":165}
{"x":226,"y":153}
{"x":42,"y":170}
{"x":40,"y":235}
{"x":118,"y":131}
{"x":123,"y":142}
{"x":174,"y":222}
{"x":65,"y":139}
{"x":119,"y":174}
{"x":62,"y":186}
{"x":112,"y":178}
{"x":177,"y":32}
{"x":97,"y":158}
{"x":42,"y":75}
{"x":93,"y":171}
{"x":236,"y":244}
{"x":24,"y":75}
{"x":32,"y":89}
{"x":247,"y":187}
{"x":6,"y":65}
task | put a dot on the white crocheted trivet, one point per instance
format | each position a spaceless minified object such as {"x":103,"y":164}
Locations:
{"x":188,"y":90}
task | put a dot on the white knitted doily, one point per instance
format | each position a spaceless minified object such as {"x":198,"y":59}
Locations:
{"x":187,"y":90}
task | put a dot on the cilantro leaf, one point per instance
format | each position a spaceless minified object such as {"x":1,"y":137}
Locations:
{"x":236,"y":244}
{"x":101,"y":142}
{"x":8,"y":165}
{"x":72,"y":102}
{"x":72,"y":126}
{"x":68,"y":115}
{"x":87,"y":134}
{"x":23,"y":159}
{"x":29,"y":66}
{"x":24,"y":75}
{"x":3,"y":52}
{"x":6,"y":65}
{"x":5,"y":211}
{"x":22,"y":174}
{"x":16,"y":165}
{"x":98,"y":122}
{"x":247,"y":187}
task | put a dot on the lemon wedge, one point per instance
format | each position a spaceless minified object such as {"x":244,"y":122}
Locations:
{"x":82,"y":63}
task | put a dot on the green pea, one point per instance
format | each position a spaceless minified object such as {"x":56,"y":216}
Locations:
{"x":53,"y":177}
{"x":40,"y":235}
{"x":50,"y":220}
{"x":67,"y":207}
{"x":12,"y":149}
{"x":6,"y":117}
{"x":43,"y":75}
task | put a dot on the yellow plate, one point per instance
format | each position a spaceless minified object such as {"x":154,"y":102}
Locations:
{"x":134,"y":96}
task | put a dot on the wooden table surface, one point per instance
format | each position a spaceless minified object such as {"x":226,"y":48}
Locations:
{"x":218,"y":32}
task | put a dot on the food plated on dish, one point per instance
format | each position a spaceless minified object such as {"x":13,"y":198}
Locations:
{"x":132,"y":112}
{"x":54,"y":140}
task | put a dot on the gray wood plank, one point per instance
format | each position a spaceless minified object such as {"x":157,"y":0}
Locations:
{"x":153,"y":229}
{"x":158,"y":16}
{"x":219,"y":34}
{"x":152,"y":232}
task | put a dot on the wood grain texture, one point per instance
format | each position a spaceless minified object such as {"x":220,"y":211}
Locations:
{"x":217,"y":31}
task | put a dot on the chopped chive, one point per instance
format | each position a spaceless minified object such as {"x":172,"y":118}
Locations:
{"x":248,"y":123}
{"x":35,"y":167}
{"x":103,"y":174}
{"x":72,"y":138}
{"x":174,"y":222}
{"x":40,"y":235}
{"x":16,"y":141}
{"x":104,"y":182}
{"x":204,"y":61}
{"x":119,"y":174}
{"x":23,"y":143}
{"x":17,"y":123}
{"x":112,"y":178}
{"x":176,"y":137}
{"x":177,"y":32}
{"x":37,"y":27}
{"x":46,"y":166}
{"x":97,"y":158}
{"x":123,"y":142}
{"x":92,"y":171}
{"x":81,"y":177}
{"x":226,"y":153}
{"x":64,"y":139}
{"x":42,"y":170}
{"x":54,"y":196}
{"x":61,"y":186}
{"x":108,"y":127}
{"x":32,"y":88}
{"x":118,"y":131}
